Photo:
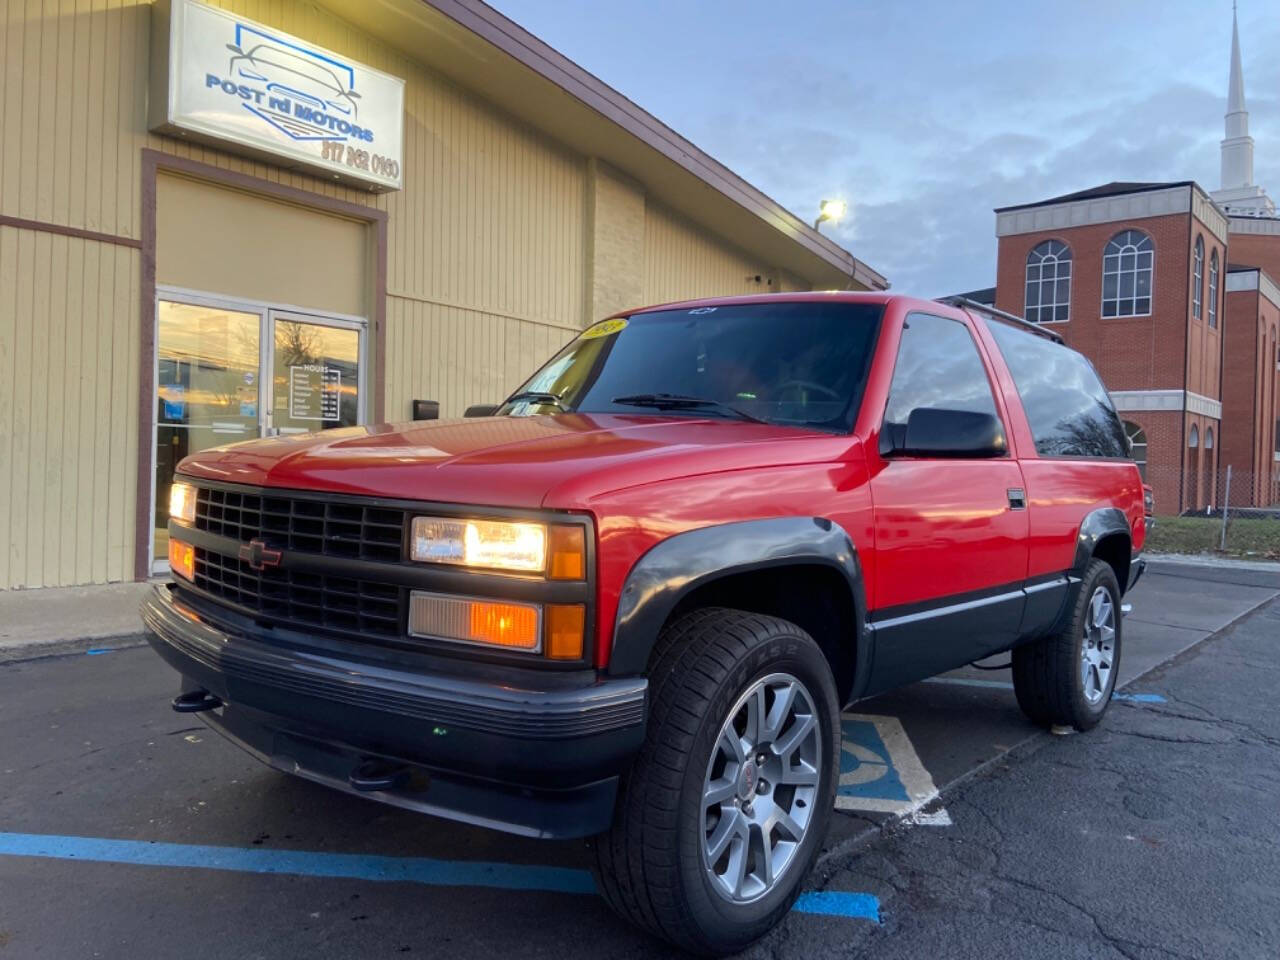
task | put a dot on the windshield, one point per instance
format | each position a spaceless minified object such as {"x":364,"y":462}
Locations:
{"x":798,"y":364}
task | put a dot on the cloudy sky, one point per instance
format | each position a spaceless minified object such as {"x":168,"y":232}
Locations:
{"x":926,"y":115}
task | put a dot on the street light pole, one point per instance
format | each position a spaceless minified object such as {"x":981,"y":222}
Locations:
{"x":832,"y":210}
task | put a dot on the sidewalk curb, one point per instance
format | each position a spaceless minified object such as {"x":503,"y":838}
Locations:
{"x":1213,"y":560}
{"x":26,"y":653}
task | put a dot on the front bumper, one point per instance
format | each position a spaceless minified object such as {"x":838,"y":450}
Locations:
{"x":517,"y":750}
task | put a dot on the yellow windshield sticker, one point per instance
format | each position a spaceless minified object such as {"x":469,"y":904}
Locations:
{"x":605,"y":328}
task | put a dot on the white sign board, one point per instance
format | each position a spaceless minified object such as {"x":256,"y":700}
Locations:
{"x":236,"y":81}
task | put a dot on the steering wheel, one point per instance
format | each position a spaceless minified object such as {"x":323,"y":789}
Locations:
{"x":809,"y":385}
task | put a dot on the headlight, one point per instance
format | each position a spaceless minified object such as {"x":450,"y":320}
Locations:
{"x":182,"y":503}
{"x":492,"y":544}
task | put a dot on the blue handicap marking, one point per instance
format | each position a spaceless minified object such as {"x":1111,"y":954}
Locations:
{"x":880,"y":771}
{"x":1138,"y":697}
{"x":865,"y":767}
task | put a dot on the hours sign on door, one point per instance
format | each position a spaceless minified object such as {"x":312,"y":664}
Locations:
{"x":314,"y":392}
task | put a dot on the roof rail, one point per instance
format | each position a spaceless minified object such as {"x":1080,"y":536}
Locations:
{"x":993,"y":312}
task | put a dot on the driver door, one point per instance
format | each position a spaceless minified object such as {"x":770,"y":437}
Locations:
{"x":950,"y":533}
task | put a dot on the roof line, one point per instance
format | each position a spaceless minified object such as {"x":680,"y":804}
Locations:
{"x":555,"y":67}
{"x":1068,"y":198}
{"x":1012,"y":318}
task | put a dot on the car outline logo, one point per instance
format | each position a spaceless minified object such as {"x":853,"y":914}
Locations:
{"x":302,"y":75}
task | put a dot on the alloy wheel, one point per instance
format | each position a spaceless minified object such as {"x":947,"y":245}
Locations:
{"x":759,"y":790}
{"x":1097,"y":647}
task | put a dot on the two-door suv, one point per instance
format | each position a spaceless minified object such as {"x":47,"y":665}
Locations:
{"x":630,"y":604}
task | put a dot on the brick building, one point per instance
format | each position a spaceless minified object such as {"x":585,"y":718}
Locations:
{"x":1174,"y":293}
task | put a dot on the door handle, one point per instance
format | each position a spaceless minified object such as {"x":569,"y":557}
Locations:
{"x":1017,"y":498}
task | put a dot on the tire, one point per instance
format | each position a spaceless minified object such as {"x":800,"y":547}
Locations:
{"x":1067,"y":679}
{"x":652,"y":865}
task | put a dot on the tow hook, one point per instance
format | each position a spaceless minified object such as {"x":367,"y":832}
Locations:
{"x":195,"y":701}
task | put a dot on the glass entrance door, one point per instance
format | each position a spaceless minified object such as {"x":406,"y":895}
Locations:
{"x":208,"y":380}
{"x":239,"y":371}
{"x":315,"y":373}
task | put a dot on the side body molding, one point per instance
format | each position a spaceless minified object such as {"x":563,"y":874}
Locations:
{"x":677,"y":566}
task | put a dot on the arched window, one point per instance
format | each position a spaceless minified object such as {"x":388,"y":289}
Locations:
{"x":1137,"y":445}
{"x":1194,"y":440}
{"x":1049,"y":283}
{"x":1197,"y":281}
{"x":1208,"y":438}
{"x":1126,"y":275}
{"x":1213,"y":289}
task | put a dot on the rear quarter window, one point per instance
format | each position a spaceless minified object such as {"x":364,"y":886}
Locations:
{"x":1068,"y":408}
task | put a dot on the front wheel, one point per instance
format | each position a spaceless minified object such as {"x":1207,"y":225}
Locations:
{"x":724,"y":812}
{"x":1067,"y":679}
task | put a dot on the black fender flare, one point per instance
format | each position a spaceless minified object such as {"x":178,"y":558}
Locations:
{"x":1098,"y":524}
{"x":675,"y":567}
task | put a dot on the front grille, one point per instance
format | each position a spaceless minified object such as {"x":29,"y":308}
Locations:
{"x":350,"y":530}
{"x":334,"y":603}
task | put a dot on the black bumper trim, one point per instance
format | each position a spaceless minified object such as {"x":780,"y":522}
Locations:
{"x":577,"y":811}
{"x":1137,"y":567}
{"x":606,"y":706}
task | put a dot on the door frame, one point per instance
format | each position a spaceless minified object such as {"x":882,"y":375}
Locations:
{"x":267,"y":314}
{"x":153,"y":162}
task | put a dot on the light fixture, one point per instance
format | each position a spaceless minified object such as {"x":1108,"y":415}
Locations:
{"x":833,"y":210}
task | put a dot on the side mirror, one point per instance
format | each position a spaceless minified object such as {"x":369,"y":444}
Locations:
{"x":481,"y":410}
{"x":931,"y":432}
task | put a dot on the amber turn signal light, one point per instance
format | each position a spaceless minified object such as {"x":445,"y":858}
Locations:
{"x":568,"y":553}
{"x":512,"y":626}
{"x":182,"y":559}
{"x":566,"y":624}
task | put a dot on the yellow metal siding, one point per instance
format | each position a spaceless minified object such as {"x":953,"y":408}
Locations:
{"x":68,"y":425}
{"x":681,"y":262}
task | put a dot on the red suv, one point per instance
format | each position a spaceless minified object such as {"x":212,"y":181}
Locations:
{"x":632,"y":603}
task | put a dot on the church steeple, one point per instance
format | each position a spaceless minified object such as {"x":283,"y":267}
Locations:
{"x":1237,"y":193}
{"x":1235,"y":83}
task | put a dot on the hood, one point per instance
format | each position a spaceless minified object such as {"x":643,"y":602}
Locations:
{"x":557,"y":461}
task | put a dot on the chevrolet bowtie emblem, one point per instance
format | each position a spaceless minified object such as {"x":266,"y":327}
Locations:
{"x":259,"y":556}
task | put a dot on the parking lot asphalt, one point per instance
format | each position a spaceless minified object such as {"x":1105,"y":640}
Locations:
{"x":129,"y":831}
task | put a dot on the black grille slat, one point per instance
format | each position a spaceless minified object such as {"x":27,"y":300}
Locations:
{"x":303,"y":525}
{"x":346,"y":530}
{"x":301,"y":598}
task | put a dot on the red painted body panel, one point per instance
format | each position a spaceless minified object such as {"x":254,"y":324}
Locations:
{"x":923,"y":528}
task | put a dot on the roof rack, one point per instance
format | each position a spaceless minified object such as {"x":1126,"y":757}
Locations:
{"x":993,"y":312}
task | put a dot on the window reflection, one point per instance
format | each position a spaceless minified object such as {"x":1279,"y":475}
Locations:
{"x":801,"y":364}
{"x":1069,"y":410}
{"x":207,"y":366}
{"x":938,"y":366}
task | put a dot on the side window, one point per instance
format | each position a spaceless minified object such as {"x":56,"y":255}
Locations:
{"x":938,"y":366}
{"x":1069,"y":410}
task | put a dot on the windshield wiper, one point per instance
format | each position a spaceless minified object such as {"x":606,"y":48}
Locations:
{"x":674,"y":401}
{"x":539,"y":396}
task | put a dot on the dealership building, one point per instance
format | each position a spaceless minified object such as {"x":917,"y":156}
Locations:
{"x":222,"y":222}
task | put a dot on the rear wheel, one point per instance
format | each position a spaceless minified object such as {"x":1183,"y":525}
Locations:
{"x":1067,"y":679}
{"x":724,"y":811}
